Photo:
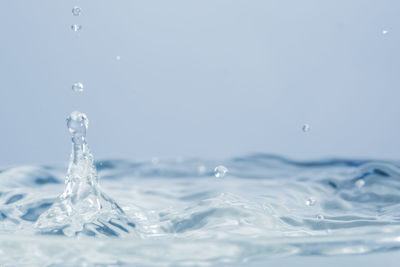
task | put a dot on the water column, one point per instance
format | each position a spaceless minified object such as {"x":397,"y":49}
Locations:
{"x":83,"y":209}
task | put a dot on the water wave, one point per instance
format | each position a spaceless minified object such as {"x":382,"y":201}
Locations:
{"x":266,"y":206}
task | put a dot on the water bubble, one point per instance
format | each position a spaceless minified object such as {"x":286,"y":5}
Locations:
{"x":311,"y":202}
{"x":306,"y":127}
{"x":320,"y":217}
{"x":118,"y":58}
{"x":76,"y":11}
{"x":385,"y":32}
{"x":360,"y":183}
{"x":76,"y":27}
{"x":77,"y":87}
{"x":220,"y":171}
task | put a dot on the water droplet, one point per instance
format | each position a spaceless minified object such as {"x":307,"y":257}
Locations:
{"x":328,"y":231}
{"x":77,"y":87}
{"x":220,"y":171}
{"x":311,"y":202}
{"x":360,"y":183}
{"x":201,"y":169}
{"x":320,"y":217}
{"x":306,"y":127}
{"x":76,"y":27}
{"x":155,"y":160}
{"x":76,"y":11}
{"x":118,"y":58}
{"x":385,"y":32}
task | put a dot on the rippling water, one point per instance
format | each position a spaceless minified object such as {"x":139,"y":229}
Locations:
{"x":266,"y":206}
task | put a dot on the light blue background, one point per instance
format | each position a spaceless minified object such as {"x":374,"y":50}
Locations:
{"x":209,"y":78}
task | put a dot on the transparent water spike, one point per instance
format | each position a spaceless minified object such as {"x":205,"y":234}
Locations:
{"x":83,"y":209}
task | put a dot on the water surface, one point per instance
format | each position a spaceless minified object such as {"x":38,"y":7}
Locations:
{"x":265,"y":206}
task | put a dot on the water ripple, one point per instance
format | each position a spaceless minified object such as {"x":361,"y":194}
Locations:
{"x":325,"y":207}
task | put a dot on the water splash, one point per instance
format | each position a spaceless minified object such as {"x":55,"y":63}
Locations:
{"x":83,"y":209}
{"x":183,"y":212}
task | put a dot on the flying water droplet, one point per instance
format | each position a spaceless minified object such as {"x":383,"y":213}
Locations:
{"x":306,"y":127}
{"x":118,"y":58}
{"x":385,"y":32}
{"x":320,"y":217}
{"x":201,"y":169}
{"x":155,"y":160}
{"x":360,"y":183}
{"x":76,"y":27}
{"x":76,"y":11}
{"x":77,"y":87}
{"x":220,"y":171}
{"x":311,"y":202}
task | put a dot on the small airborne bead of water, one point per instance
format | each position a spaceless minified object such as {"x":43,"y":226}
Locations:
{"x":385,"y":32}
{"x":220,"y":171}
{"x":118,"y":58}
{"x":76,"y":27}
{"x":320,"y":217}
{"x":306,"y":127}
{"x":201,"y":169}
{"x":311,"y":202}
{"x":360,"y":183}
{"x":76,"y":11}
{"x":155,"y":160}
{"x":77,"y":87}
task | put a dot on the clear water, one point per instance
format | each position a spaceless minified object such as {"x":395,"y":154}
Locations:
{"x":76,"y":27}
{"x":77,"y":87}
{"x":306,"y":127}
{"x":193,"y":212}
{"x":265,"y":206}
{"x":83,"y":209}
{"x":76,"y":11}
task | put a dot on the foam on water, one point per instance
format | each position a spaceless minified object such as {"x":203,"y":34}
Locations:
{"x":267,"y":206}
